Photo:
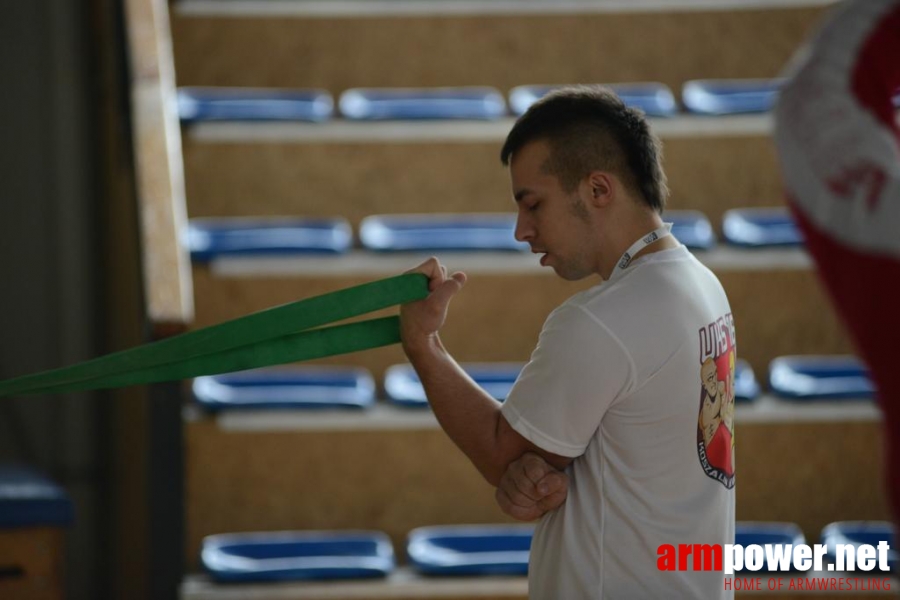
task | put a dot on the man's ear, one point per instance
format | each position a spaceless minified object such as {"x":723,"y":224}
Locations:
{"x":600,"y":188}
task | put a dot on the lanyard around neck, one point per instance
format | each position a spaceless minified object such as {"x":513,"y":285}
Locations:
{"x":653,"y":236}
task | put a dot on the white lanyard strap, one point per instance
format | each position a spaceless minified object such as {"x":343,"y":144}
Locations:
{"x":653,"y":236}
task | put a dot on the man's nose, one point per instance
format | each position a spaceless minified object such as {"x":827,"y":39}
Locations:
{"x":524,"y":229}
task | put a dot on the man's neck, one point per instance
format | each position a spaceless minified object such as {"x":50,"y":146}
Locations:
{"x":666,"y":243}
{"x":629,"y":236}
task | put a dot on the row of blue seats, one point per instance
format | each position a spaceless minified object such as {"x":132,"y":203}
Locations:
{"x":214,"y":237}
{"x":800,"y":378}
{"x":709,"y":97}
{"x":28,"y":499}
{"x":473,"y":550}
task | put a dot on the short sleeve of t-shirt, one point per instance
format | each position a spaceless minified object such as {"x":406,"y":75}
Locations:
{"x":578,"y":369}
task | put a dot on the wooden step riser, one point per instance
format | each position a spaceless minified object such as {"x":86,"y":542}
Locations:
{"x":711,"y":174}
{"x":394,"y":481}
{"x":499,"y":317}
{"x":499,"y":50}
{"x":35,"y":559}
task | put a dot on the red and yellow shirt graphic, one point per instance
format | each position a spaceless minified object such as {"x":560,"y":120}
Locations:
{"x":715,"y":423}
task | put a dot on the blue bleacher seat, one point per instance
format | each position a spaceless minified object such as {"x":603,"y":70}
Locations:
{"x":211,"y":238}
{"x":813,"y":377}
{"x":760,"y":227}
{"x":857,"y":533}
{"x":29,"y":499}
{"x":471,"y":549}
{"x":428,"y":232}
{"x":730,"y":96}
{"x":301,"y":386}
{"x":372,"y":104}
{"x":297,"y":555}
{"x":691,"y":228}
{"x":654,"y":99}
{"x":402,"y":385}
{"x":253,"y":104}
{"x":746,"y":388}
{"x":763,"y":533}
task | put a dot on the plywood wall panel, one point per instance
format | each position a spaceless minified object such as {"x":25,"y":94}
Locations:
{"x":500,"y":50}
{"x":499,"y":317}
{"x":782,"y":312}
{"x":711,"y":174}
{"x":810,"y":473}
{"x":494,"y":318}
{"x":391,"y":481}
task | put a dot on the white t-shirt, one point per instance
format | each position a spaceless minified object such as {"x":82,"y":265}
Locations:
{"x":616,"y":382}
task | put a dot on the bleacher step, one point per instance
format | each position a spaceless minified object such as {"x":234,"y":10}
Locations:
{"x":384,"y":416}
{"x":404,"y":584}
{"x":360,"y":263}
{"x":409,"y":8}
{"x":362,"y":132}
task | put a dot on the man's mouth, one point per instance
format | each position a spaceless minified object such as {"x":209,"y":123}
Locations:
{"x":543,"y":254}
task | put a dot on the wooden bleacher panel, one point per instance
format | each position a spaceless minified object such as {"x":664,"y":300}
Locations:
{"x":235,"y":178}
{"x":38,"y":555}
{"x":776,"y":312}
{"x":808,"y":472}
{"x":389,"y":480}
{"x":500,"y":50}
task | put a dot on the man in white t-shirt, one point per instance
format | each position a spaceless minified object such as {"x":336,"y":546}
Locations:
{"x":613,"y":393}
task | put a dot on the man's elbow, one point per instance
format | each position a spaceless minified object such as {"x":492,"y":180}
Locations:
{"x":492,"y":469}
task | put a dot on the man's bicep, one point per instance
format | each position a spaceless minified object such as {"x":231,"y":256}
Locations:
{"x":576,"y":372}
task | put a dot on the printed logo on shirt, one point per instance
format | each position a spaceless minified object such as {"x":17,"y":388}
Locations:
{"x":715,"y":423}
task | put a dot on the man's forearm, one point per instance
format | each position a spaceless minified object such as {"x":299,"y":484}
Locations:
{"x":467,"y":414}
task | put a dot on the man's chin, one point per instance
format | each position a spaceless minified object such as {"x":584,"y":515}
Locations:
{"x":564,"y":271}
{"x":569,"y":275}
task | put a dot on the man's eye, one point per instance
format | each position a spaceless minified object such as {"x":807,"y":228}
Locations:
{"x":534,"y":206}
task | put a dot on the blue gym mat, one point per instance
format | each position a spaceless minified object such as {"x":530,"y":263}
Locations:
{"x":373,"y":104}
{"x":297,"y":555}
{"x":730,"y":96}
{"x":763,"y":533}
{"x":760,"y":228}
{"x":402,"y":385}
{"x":813,"y":377}
{"x":299,"y":386}
{"x":29,"y":499}
{"x":471,"y":549}
{"x":211,"y":238}
{"x":857,"y":533}
{"x":654,"y":99}
{"x":253,"y":104}
{"x":428,"y":232}
{"x":692,"y":228}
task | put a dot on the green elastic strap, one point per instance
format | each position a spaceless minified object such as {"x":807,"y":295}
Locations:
{"x":270,"y":337}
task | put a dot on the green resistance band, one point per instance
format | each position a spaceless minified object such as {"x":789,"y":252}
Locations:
{"x":275,"y":336}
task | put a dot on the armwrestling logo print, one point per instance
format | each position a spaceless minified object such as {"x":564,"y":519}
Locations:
{"x":715,"y":424}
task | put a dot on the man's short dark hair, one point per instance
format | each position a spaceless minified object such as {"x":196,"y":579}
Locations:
{"x":589,"y":128}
